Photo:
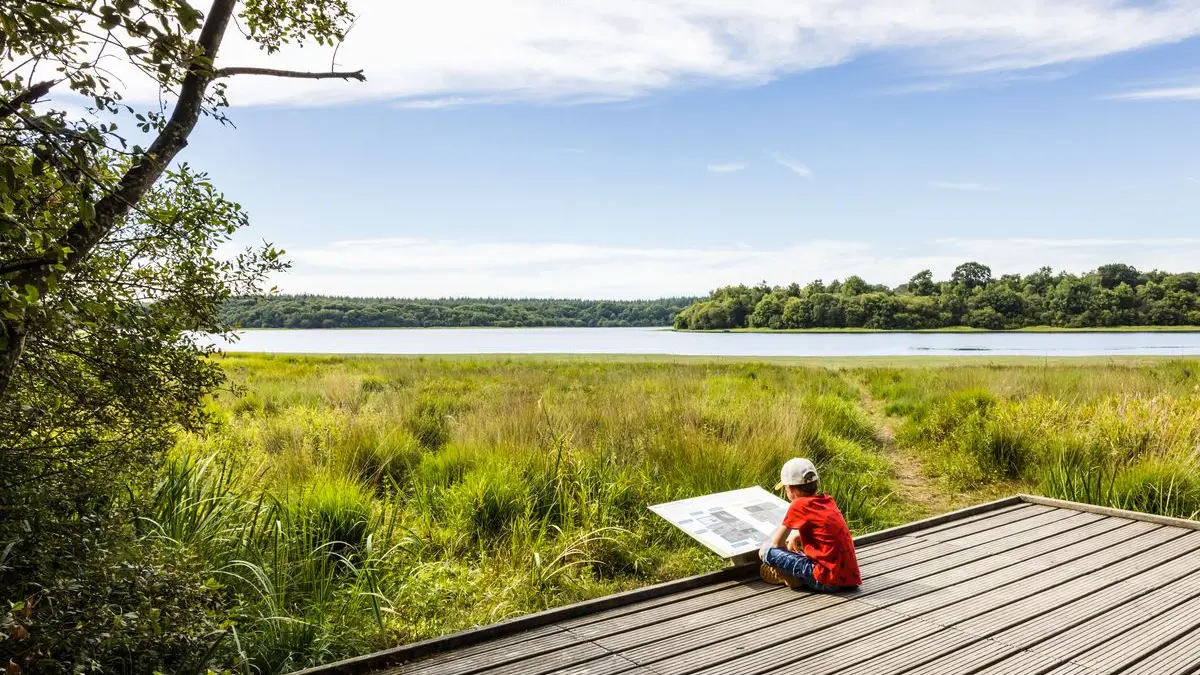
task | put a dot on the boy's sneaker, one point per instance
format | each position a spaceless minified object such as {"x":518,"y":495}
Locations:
{"x":776,"y":578}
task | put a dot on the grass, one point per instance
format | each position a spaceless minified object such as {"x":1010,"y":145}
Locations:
{"x":346,"y":504}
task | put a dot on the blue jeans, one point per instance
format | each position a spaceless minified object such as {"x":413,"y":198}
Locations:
{"x":796,"y":565}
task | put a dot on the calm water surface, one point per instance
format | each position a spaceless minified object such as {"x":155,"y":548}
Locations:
{"x":660,"y":341}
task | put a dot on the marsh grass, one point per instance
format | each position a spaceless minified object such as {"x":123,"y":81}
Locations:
{"x":355,"y":503}
{"x":349,"y":504}
{"x":1126,"y":437}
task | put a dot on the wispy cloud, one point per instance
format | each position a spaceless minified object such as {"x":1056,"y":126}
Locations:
{"x":726,"y":168}
{"x":427,"y":267}
{"x":964,"y":187}
{"x":795,"y":166}
{"x":444,"y":52}
{"x":1184,"y":93}
{"x":1195,"y":180}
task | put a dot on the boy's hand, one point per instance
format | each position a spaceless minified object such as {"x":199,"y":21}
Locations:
{"x":793,"y":542}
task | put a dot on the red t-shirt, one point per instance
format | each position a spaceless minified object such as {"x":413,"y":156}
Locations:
{"x":825,"y":539}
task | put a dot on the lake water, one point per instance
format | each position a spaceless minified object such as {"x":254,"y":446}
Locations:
{"x":661,"y":341}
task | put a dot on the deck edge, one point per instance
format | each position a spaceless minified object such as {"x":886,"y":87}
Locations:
{"x":1109,"y":511}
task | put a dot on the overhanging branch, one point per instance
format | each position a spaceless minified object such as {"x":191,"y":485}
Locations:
{"x":30,"y":95}
{"x":298,"y":74}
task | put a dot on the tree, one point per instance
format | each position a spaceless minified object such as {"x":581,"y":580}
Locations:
{"x":43,"y":154}
{"x":922,"y":283}
{"x":971,"y":275}
{"x":1115,"y":274}
{"x":108,"y":269}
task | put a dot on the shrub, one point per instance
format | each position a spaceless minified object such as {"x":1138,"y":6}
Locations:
{"x":336,"y":510}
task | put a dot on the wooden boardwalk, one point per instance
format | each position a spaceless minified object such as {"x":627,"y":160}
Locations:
{"x":1021,"y":586}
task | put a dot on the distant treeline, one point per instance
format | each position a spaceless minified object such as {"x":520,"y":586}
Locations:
{"x":315,"y":311}
{"x":1112,"y":295}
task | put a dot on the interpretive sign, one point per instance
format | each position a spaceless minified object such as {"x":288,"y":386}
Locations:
{"x":728,"y":523}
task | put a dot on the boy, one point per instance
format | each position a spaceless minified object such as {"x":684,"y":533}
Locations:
{"x":824,"y":560}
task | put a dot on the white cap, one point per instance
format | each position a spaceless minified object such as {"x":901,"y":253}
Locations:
{"x":797,"y":471}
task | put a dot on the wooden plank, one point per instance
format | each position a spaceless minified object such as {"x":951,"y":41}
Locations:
{"x":977,"y":534}
{"x":935,"y":521}
{"x":808,"y":652}
{"x":492,"y":645}
{"x":1179,"y":657}
{"x":743,"y":590}
{"x":1061,"y":647}
{"x":902,"y":659}
{"x":1034,"y":522}
{"x":608,"y":665}
{"x":1018,"y":663}
{"x":684,"y":624}
{"x":1016,"y":556}
{"x":1008,"y":535}
{"x":990,"y":522}
{"x":1120,"y":606}
{"x":520,"y":652}
{"x":1143,"y":640}
{"x":1114,"y":582}
{"x":1091,"y":563}
{"x":1116,"y":513}
{"x":867,"y":552}
{"x":651,"y":603}
{"x":975,"y":518}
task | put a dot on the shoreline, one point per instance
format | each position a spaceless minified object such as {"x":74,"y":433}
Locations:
{"x":907,"y":361}
{"x":955,"y":329}
{"x":768,"y":331}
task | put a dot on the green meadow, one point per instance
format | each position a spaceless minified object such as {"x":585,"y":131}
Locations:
{"x":345,"y":504}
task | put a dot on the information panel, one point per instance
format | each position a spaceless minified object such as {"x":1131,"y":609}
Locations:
{"x":728,"y":523}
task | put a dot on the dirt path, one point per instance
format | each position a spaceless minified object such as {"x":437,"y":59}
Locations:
{"x":924,"y":495}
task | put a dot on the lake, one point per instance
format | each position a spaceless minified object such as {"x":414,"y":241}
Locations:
{"x":662,"y":341}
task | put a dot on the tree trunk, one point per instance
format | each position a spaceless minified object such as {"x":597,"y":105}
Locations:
{"x":83,"y":235}
{"x":14,"y":344}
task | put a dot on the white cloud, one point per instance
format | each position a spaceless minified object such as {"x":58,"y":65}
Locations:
{"x":796,"y":167}
{"x":965,"y":187}
{"x":1186,"y":93}
{"x":438,"y":268}
{"x":1194,"y":180}
{"x":726,"y":168}
{"x":449,"y":52}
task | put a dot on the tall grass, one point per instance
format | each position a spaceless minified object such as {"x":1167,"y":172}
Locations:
{"x":352,"y":503}
{"x":1114,"y":436}
{"x":346,"y":504}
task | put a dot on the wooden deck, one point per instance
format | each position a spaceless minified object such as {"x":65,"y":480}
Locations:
{"x":1021,"y":586}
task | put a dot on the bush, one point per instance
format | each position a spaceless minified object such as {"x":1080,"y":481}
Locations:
{"x":107,"y":602}
{"x":336,"y":510}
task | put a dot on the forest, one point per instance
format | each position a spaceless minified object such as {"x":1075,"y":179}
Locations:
{"x":1110,"y":296}
{"x":316,"y":311}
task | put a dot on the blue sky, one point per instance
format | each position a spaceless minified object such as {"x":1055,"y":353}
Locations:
{"x":655,"y":148}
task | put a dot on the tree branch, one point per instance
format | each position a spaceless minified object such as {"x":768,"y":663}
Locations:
{"x":299,"y":74}
{"x":30,"y":95}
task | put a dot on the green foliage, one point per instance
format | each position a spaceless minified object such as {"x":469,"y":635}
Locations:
{"x":532,"y":496}
{"x":1113,"y":436}
{"x":108,"y":271}
{"x":314,"y":311}
{"x":1113,"y":295}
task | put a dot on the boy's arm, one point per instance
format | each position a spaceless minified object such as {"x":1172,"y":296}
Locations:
{"x":777,"y":540}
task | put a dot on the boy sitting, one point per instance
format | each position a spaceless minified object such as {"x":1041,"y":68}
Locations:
{"x":824,"y":560}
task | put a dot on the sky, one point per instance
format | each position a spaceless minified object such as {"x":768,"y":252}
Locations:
{"x":648,"y":148}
